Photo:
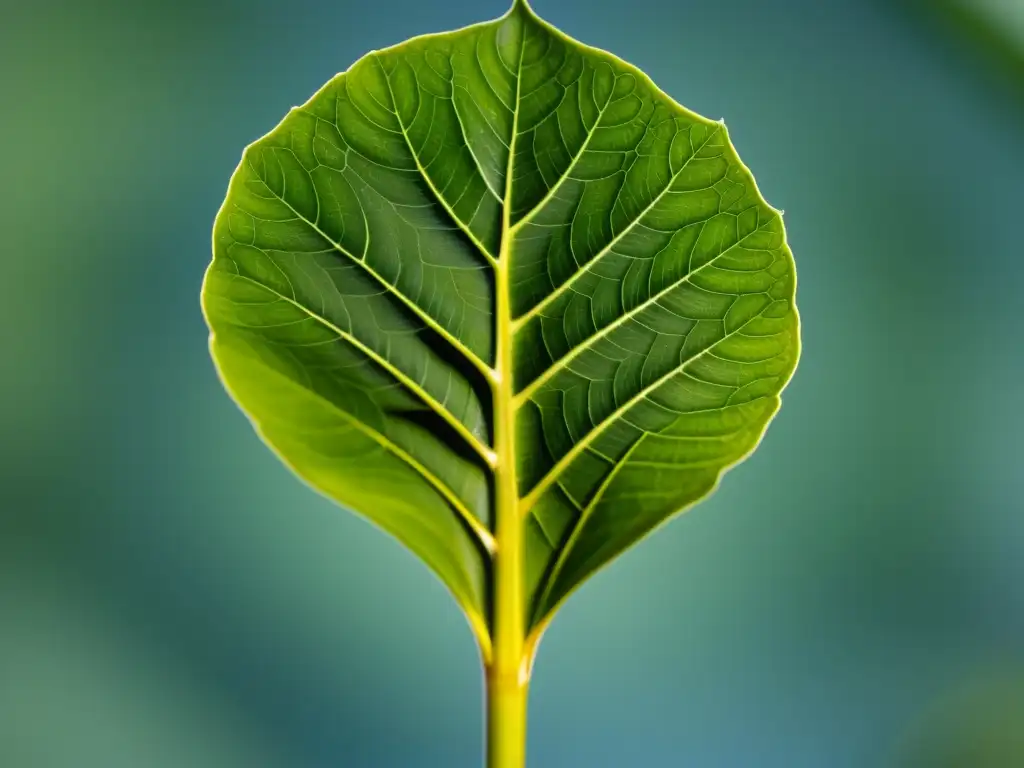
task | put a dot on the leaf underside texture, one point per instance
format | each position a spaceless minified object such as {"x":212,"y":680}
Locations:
{"x":646,"y":301}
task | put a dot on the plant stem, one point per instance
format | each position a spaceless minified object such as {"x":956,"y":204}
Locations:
{"x":506,"y":720}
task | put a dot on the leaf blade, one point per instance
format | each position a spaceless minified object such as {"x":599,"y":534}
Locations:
{"x":649,"y":283}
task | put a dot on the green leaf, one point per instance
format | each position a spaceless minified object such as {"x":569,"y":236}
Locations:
{"x":495,"y":291}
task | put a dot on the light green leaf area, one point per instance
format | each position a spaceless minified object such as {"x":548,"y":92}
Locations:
{"x":498,"y":257}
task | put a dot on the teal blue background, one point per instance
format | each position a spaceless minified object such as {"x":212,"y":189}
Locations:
{"x":171,"y":596}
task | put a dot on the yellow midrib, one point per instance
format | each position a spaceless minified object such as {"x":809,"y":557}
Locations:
{"x":509,"y":606}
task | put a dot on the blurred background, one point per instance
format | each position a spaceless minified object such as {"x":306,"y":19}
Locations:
{"x":852,"y":597}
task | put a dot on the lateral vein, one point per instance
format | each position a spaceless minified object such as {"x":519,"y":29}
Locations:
{"x":473,"y":358}
{"x":561,"y":289}
{"x":483,"y":451}
{"x":426,"y":177}
{"x":577,"y":528}
{"x":554,"y":188}
{"x":587,"y":343}
{"x":560,"y":466}
{"x":483,"y":535}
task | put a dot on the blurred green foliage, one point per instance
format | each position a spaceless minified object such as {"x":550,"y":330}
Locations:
{"x":980,"y":725}
{"x":995,"y":28}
